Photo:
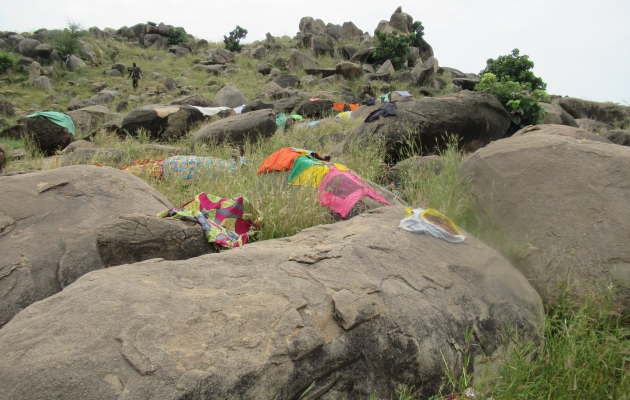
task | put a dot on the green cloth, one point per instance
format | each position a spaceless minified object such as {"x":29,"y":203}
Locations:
{"x":296,"y":117}
{"x":281,"y":120}
{"x":58,"y":118}
{"x":302,"y":163}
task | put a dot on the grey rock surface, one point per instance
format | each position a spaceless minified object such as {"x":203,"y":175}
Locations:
{"x":47,"y":227}
{"x":346,"y":307}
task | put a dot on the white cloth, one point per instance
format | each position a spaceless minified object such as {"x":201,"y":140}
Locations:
{"x":210,"y":111}
{"x":417,"y":224}
{"x":239,"y":109}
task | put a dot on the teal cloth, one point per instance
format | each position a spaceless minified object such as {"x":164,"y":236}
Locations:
{"x":58,"y":118}
{"x":281,"y":120}
{"x":302,"y":163}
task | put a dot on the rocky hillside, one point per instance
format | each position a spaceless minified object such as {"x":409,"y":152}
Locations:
{"x":102,"y":299}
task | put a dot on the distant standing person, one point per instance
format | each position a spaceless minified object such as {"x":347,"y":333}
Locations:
{"x":134,"y":74}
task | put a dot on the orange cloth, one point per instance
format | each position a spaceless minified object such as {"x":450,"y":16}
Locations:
{"x":281,"y":160}
{"x":339,"y":106}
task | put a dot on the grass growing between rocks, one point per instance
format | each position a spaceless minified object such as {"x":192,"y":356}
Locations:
{"x":585,"y":355}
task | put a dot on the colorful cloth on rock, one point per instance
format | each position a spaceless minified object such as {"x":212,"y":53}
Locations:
{"x":191,"y":167}
{"x":341,"y":190}
{"x":309,"y":171}
{"x":227,"y":222}
{"x":283,"y":159}
{"x":58,"y":118}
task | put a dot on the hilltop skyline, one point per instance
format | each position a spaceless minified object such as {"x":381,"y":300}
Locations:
{"x":580,"y":51}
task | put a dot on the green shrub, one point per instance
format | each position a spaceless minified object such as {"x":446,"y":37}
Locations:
{"x":418,"y":30}
{"x":6,"y":62}
{"x":67,"y":42}
{"x":518,"y":99}
{"x":514,"y":67}
{"x":233,"y":42}
{"x":176,"y":36}
{"x":392,"y":47}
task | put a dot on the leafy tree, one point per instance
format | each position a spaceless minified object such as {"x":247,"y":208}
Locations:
{"x":514,"y":67}
{"x":67,"y":42}
{"x":176,"y":36}
{"x":6,"y":62}
{"x":517,"y":98}
{"x":233,"y":42}
{"x":392,"y":47}
{"x":418,"y":30}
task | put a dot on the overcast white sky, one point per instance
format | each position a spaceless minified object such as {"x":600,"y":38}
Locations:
{"x":580,"y":48}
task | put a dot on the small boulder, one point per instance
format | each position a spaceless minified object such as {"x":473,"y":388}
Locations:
{"x":86,"y":155}
{"x":618,"y":136}
{"x":193,"y":100}
{"x":273,"y":91}
{"x":27,"y":47}
{"x":230,"y":96}
{"x":239,"y":128}
{"x":44,"y":50}
{"x":349,"y":70}
{"x":556,"y":115}
{"x":74,"y":63}
{"x":161,"y":122}
{"x":137,"y":237}
{"x":48,"y":136}
{"x":299,"y":61}
{"x":287,"y":81}
{"x":314,"y":109}
{"x":593,"y":126}
{"x":255,"y":106}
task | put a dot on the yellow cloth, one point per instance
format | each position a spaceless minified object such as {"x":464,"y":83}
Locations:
{"x":312,"y":176}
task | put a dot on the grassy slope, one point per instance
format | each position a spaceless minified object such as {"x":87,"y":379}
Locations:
{"x":586,"y":353}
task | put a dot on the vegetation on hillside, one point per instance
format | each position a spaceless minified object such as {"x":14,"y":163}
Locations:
{"x":510,"y":79}
{"x":394,"y":47}
{"x":67,"y":41}
{"x":233,"y":42}
{"x":6,"y":62}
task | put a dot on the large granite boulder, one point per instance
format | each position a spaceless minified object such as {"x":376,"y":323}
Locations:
{"x":161,"y":122}
{"x":609,"y":113}
{"x":562,"y":203}
{"x":348,"y":309}
{"x":557,"y":116}
{"x":47,"y":135}
{"x":139,"y":237}
{"x":47,"y":227}
{"x":315,"y":109}
{"x":239,"y":128}
{"x":562,"y":130}
{"x":475,"y":118}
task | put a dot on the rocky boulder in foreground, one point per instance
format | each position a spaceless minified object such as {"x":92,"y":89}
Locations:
{"x":350,"y":308}
{"x":476,"y":118}
{"x":564,"y":204}
{"x":47,"y":227}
